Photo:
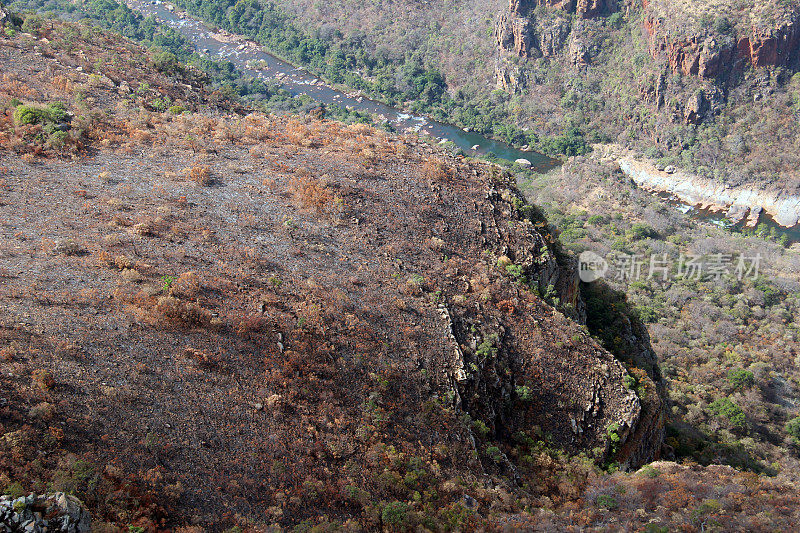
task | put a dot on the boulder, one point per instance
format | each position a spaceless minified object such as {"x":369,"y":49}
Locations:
{"x":57,"y":512}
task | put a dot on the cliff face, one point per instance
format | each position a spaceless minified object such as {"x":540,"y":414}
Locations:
{"x":706,"y":52}
{"x":519,"y":32}
{"x":577,"y":398}
{"x":715,"y":52}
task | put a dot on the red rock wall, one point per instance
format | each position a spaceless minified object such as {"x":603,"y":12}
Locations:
{"x":704,"y":56}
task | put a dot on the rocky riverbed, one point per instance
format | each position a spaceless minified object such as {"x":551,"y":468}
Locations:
{"x":737,"y":203}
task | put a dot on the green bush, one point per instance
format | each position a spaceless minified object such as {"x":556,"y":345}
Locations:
{"x":166,"y":62}
{"x":793,"y":429}
{"x":741,"y":378}
{"x":604,"y":501}
{"x":723,"y":25}
{"x":615,"y":20}
{"x":32,"y":24}
{"x":647,"y":314}
{"x":55,"y":113}
{"x":480,"y":427}
{"x":524,"y":393}
{"x":733,"y":413}
{"x":613,"y":432}
{"x":515,"y":271}
{"x":640,"y":231}
{"x":629,"y":381}
{"x":495,"y":453}
{"x":24,"y":115}
{"x":394,"y":514}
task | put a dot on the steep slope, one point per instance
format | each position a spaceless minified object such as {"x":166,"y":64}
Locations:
{"x":221,"y":318}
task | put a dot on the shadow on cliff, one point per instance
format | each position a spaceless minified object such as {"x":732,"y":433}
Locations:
{"x":610,"y":319}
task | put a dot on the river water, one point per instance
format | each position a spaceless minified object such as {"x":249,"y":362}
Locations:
{"x":253,"y":60}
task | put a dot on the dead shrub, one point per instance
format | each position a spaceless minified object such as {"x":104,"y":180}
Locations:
{"x":311,"y":193}
{"x":8,"y":353}
{"x":201,"y":358}
{"x":201,"y":175}
{"x":62,"y":85}
{"x":43,"y":379}
{"x":435,"y":171}
{"x":104,"y":258}
{"x":178,"y":312}
{"x":186,"y":286}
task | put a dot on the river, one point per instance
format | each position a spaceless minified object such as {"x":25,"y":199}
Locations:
{"x":250,"y":58}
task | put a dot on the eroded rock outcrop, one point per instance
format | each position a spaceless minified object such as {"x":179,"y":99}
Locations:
{"x":736,"y":202}
{"x":499,"y":373}
{"x":520,"y":33}
{"x":58,"y":512}
{"x":528,"y":36}
{"x":712,"y":53}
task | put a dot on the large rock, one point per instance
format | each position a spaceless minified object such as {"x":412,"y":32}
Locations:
{"x":58,"y":512}
{"x":519,"y":33}
{"x":552,"y":35}
{"x":514,"y":35}
{"x":510,"y":77}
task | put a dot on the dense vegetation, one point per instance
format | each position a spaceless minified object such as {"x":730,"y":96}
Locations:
{"x":727,"y":346}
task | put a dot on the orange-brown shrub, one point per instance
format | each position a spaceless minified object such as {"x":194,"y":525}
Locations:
{"x":311,"y":192}
{"x":434,"y":170}
{"x":200,"y":175}
{"x":186,"y":286}
{"x":62,"y":85}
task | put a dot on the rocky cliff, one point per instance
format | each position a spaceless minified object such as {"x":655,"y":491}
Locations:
{"x":520,"y":33}
{"x":713,"y":50}
{"x":702,"y":40}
